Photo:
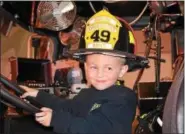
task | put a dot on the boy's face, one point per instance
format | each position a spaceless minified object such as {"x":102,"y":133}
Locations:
{"x":102,"y":71}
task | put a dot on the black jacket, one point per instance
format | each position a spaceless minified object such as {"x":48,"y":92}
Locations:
{"x":92,"y":111}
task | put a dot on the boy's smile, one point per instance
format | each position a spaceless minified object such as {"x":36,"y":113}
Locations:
{"x":102,"y":71}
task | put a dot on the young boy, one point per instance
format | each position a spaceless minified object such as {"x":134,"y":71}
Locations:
{"x":104,"y":107}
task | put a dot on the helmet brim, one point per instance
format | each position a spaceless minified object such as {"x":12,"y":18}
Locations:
{"x":134,"y":62}
{"x":116,"y":53}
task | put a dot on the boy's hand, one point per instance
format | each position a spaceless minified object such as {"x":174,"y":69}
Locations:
{"x":44,"y":117}
{"x":29,"y":92}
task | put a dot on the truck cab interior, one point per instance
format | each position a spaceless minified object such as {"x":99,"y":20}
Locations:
{"x":36,"y":35}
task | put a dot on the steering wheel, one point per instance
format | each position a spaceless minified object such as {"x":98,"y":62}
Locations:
{"x":32,"y":107}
